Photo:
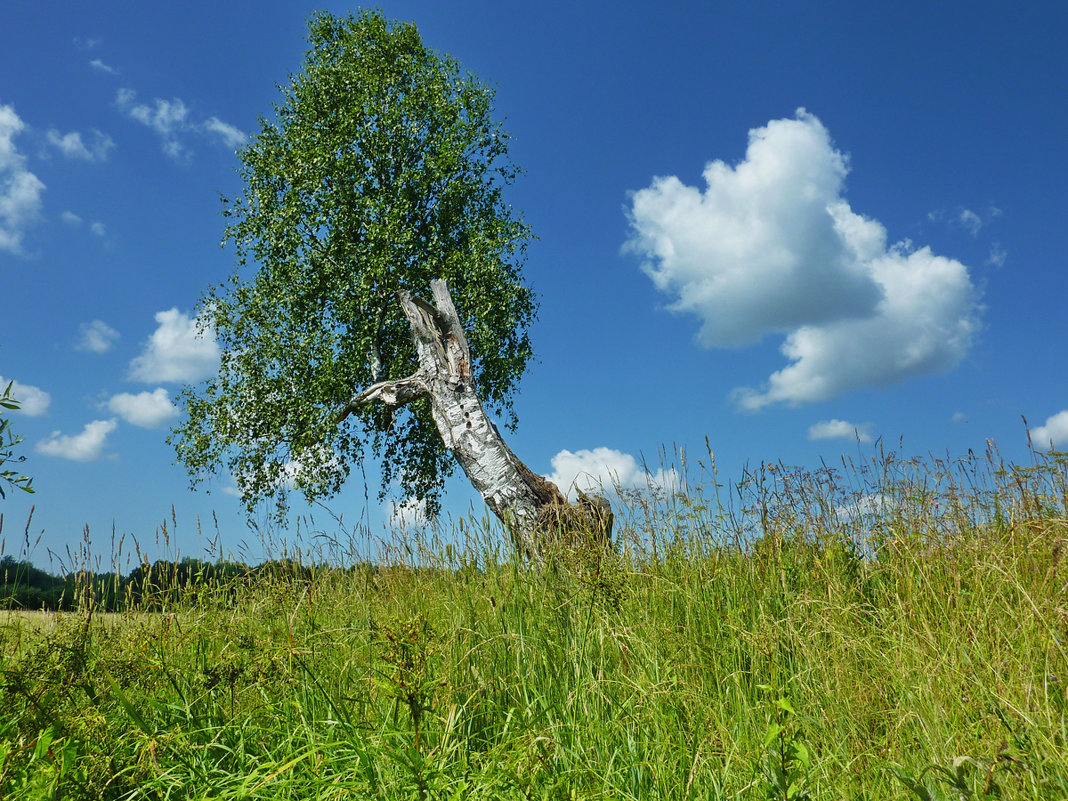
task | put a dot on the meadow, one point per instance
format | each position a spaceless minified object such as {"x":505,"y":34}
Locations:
{"x":888,"y":628}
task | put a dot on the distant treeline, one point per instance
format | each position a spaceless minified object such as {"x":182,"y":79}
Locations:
{"x":24,"y":586}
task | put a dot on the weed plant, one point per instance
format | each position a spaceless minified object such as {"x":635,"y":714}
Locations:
{"x":891,"y":629}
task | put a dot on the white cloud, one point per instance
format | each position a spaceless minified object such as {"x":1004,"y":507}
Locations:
{"x":171,"y":120}
{"x":924,"y":324}
{"x":83,"y":447}
{"x":869,"y":505}
{"x":407,"y":514}
{"x":229,"y":135}
{"x":770,"y":246}
{"x":70,"y":218}
{"x":96,"y":337}
{"x":840,"y":429}
{"x":100,"y":66}
{"x":98,"y":229}
{"x":145,"y":409}
{"x":997,"y":255}
{"x":72,"y":146}
{"x":178,"y":351}
{"x":959,"y":417}
{"x":1054,"y":431}
{"x":602,"y":469}
{"x":33,"y":401}
{"x":20,"y":189}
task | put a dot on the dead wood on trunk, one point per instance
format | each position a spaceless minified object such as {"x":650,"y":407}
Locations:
{"x":533,"y":509}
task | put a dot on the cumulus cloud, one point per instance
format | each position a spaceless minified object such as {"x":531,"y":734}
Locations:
{"x":70,"y":218}
{"x":1054,"y":434}
{"x":72,"y":146}
{"x":171,"y":120}
{"x":997,"y":255}
{"x":20,"y":189}
{"x":602,"y":469}
{"x":96,"y":337}
{"x":98,"y":229}
{"x":180,"y":350}
{"x":33,"y":401}
{"x":840,"y":429}
{"x":770,"y":246}
{"x":145,"y":409}
{"x":406,"y":514}
{"x":84,"y":447}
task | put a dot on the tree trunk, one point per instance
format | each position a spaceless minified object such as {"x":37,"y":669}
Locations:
{"x":532,"y":508}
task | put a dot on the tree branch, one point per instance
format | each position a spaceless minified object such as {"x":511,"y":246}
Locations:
{"x":391,"y":394}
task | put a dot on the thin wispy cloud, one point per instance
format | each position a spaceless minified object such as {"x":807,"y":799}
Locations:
{"x":770,"y":246}
{"x":96,"y":337}
{"x":971,"y":221}
{"x":74,"y":221}
{"x":73,"y":146}
{"x":229,"y":135}
{"x":173,"y":123}
{"x":100,"y":66}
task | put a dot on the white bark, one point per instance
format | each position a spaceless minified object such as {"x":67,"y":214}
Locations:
{"x":527,"y":503}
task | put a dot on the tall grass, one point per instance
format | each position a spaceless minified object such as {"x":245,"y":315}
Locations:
{"x":887,"y":629}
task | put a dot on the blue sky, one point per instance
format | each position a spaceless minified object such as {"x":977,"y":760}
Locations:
{"x":779,"y":226}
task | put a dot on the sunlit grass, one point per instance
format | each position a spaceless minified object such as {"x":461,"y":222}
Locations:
{"x":891,"y":629}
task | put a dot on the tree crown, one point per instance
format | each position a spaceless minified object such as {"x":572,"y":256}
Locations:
{"x":381,"y":170}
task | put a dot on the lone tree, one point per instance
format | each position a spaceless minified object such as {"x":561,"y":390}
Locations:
{"x":380,"y":178}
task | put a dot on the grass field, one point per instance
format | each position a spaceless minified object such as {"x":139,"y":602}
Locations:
{"x":890,"y":630}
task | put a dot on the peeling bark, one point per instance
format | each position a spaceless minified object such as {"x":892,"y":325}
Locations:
{"x":532,"y":508}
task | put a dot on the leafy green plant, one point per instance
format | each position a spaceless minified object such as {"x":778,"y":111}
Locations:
{"x":408,"y":649}
{"x":787,"y":759}
{"x":968,"y":778}
{"x":45,"y":770}
{"x":8,"y":443}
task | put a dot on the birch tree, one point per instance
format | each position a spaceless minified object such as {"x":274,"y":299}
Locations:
{"x":378,"y":182}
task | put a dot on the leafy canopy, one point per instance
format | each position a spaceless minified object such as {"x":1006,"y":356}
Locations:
{"x":382,"y":170}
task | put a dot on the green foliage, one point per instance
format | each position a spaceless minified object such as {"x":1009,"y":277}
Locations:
{"x":45,"y":771}
{"x":381,"y":170}
{"x":8,"y":442}
{"x":787,"y":760}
